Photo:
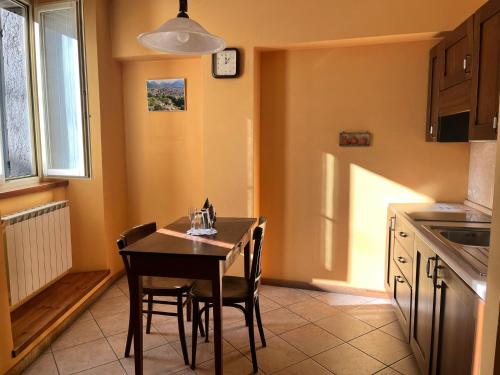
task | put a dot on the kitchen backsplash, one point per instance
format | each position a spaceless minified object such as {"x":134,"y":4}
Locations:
{"x":482,"y":173}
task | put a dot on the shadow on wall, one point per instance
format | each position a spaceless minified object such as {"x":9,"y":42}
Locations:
{"x":327,"y":205}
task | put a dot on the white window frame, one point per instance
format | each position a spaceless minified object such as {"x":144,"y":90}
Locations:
{"x":40,"y":70}
{"x":30,"y":89}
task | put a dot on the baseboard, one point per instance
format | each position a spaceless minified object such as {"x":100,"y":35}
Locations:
{"x":330,"y":288}
{"x":55,"y":332}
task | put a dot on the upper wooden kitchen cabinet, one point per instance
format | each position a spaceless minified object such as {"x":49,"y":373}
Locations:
{"x":435,"y":74}
{"x":464,"y":80}
{"x":457,"y":55}
{"x":483,"y":123}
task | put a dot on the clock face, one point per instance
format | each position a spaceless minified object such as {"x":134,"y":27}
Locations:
{"x":226,"y":63}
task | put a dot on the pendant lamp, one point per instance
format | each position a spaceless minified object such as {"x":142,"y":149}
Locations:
{"x":183,"y":36}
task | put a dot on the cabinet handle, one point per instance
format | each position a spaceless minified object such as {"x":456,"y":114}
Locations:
{"x":467,"y":63}
{"x":392,"y":224}
{"x":403,"y":234}
{"x":495,"y":122}
{"x":428,"y":267}
{"x":401,"y":260}
{"x":431,"y":129}
{"x":435,"y":277}
{"x":400,"y":279}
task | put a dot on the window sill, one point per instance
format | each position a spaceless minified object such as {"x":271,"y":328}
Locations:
{"x":36,"y":187}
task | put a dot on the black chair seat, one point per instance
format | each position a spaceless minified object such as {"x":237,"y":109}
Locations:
{"x":233,"y":289}
{"x":166,"y":284}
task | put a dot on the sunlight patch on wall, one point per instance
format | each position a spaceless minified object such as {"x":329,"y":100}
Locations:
{"x":328,"y":210}
{"x":370,"y":194}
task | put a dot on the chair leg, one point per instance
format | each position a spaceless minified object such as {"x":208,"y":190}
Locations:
{"x":180,"y":322}
{"x":194,"y":338}
{"x":246,"y":317}
{"x":207,"y":319}
{"x":130,"y":335}
{"x":259,"y":323}
{"x":188,"y":307}
{"x":251,"y":337}
{"x":200,"y":326}
{"x":150,"y":313}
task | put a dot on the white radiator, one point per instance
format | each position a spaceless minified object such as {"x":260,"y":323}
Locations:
{"x":38,"y":248}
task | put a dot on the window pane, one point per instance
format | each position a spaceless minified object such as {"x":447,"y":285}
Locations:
{"x":15,"y":101}
{"x":63,"y":118}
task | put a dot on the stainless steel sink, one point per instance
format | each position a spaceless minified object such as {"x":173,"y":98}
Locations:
{"x":472,"y":244}
{"x":467,"y":236}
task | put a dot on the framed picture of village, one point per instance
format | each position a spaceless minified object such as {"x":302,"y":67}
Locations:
{"x":166,"y":95}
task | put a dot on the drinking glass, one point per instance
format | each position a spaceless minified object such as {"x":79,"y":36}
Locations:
{"x":191,"y":214}
{"x":198,"y":220}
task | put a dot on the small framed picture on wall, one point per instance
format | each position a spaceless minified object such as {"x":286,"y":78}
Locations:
{"x":166,"y":95}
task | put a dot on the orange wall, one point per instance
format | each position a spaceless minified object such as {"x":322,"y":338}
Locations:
{"x":98,"y":204}
{"x":326,"y":204}
{"x":230,"y":109}
{"x":164,"y":150}
{"x":114,"y":183}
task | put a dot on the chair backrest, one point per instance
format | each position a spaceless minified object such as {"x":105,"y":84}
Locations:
{"x":135,"y":234}
{"x":258,"y":237}
{"x":129,"y":237}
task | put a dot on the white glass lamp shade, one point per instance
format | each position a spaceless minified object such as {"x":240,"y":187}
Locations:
{"x":182,"y":36}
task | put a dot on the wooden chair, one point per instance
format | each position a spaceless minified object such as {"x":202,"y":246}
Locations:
{"x":158,"y":286}
{"x":235,"y":291}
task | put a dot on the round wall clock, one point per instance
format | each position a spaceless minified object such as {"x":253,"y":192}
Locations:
{"x":226,"y":64}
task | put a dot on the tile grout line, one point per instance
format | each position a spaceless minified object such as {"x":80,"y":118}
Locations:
{"x":94,"y":367}
{"x":102,"y":332}
{"x":345,"y":342}
{"x":55,"y":362}
{"x":116,"y":355}
{"x":240,"y":350}
{"x":374,"y":328}
{"x":349,"y":342}
{"x":378,"y":360}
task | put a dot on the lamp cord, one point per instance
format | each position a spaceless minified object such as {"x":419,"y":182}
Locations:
{"x":183,"y":8}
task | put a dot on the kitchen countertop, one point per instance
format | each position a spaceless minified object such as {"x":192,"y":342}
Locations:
{"x":448,"y":254}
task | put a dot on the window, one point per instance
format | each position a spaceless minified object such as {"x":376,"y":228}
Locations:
{"x":62,"y":90}
{"x":61,"y":83}
{"x":16,"y":115}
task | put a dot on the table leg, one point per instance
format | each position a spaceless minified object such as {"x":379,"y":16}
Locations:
{"x":217,"y":296}
{"x":136,"y":311}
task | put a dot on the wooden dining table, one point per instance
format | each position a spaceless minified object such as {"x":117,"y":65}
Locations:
{"x":169,"y":252}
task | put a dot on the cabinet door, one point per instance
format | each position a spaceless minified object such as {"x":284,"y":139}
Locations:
{"x":390,"y":247}
{"x":457,"y":55}
{"x":456,"y":314}
{"x":423,"y":305}
{"x":486,"y":68}
{"x":402,"y":298}
{"x":435,"y":75}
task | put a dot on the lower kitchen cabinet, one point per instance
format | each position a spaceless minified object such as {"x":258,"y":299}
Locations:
{"x":401,"y":294}
{"x":440,"y":315}
{"x":423,"y":305}
{"x":456,"y":323}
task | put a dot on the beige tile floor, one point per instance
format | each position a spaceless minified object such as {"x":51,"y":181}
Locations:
{"x":308,"y":333}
